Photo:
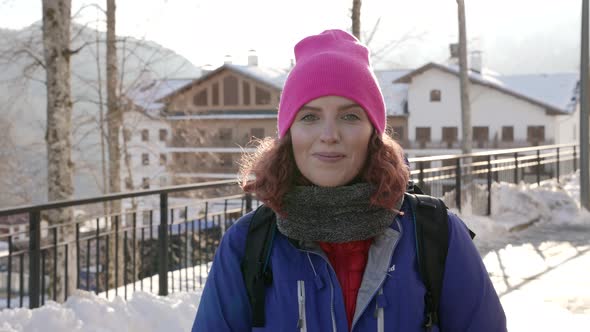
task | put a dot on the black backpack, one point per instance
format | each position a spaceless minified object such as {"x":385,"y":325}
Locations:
{"x":432,"y":244}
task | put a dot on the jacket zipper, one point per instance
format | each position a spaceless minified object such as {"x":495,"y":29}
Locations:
{"x":331,"y":287}
{"x":380,"y":318}
{"x":301,"y":323}
{"x":385,"y":276}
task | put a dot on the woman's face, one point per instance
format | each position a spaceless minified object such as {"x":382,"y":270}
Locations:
{"x":330,"y":137}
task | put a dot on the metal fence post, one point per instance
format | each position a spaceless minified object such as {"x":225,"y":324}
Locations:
{"x":538,"y":167}
{"x":35,"y":257}
{"x":421,"y":175}
{"x":163,"y":246}
{"x":575,"y":157}
{"x":248,"y":202}
{"x":557,"y":168}
{"x":516,"y":167}
{"x":458,"y":183}
{"x":489,"y":212}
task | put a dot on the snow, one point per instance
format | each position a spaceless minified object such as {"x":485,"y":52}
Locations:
{"x":394,"y":94}
{"x":275,"y":77}
{"x":147,"y":95}
{"x":540,"y":271}
{"x":557,"y":90}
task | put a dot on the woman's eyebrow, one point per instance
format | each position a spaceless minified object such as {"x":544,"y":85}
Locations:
{"x":310,"y":108}
{"x":349,"y":106}
{"x":319,"y":109}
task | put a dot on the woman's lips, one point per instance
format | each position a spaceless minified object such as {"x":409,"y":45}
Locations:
{"x":330,"y":157}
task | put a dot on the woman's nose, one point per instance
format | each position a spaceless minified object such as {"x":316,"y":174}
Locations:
{"x":330,"y":133}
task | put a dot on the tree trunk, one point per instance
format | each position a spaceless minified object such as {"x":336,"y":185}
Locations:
{"x":56,"y":49}
{"x":466,"y":144}
{"x":356,"y":18}
{"x":114,"y":121}
{"x":466,"y":130}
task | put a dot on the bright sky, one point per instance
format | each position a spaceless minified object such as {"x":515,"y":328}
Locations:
{"x":204,"y":31}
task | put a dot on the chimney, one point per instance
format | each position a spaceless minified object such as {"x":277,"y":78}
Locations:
{"x":252,"y":58}
{"x":476,"y":62}
{"x":227,"y":60}
{"x":206,"y":69}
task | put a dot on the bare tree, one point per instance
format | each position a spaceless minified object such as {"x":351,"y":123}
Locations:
{"x":356,"y":18}
{"x":56,"y":47}
{"x":466,"y":144}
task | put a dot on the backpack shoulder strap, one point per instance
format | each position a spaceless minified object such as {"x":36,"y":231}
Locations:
{"x":432,"y":243}
{"x":255,"y":264}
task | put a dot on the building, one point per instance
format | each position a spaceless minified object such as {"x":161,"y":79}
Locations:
{"x":506,"y":111}
{"x":192,"y":130}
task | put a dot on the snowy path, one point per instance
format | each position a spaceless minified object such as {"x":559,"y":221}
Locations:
{"x":542,"y":275}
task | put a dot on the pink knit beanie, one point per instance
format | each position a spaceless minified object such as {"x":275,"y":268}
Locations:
{"x":333,"y":63}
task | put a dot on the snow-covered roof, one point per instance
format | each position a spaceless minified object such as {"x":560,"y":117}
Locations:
{"x":559,"y":90}
{"x":148,"y":95}
{"x":394,"y":94}
{"x":555,"y":92}
{"x":272,"y":76}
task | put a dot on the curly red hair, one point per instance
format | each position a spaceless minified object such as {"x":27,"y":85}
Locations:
{"x":270,"y":172}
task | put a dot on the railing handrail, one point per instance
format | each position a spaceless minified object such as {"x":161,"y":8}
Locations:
{"x":491,"y":153}
{"x":112,"y":197}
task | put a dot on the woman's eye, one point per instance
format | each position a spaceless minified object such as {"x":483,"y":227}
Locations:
{"x":308,"y":117}
{"x":351,"y":117}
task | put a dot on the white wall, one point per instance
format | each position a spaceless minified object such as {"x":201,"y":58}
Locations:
{"x":136,"y":122}
{"x":489,"y":108}
{"x":568,"y":127}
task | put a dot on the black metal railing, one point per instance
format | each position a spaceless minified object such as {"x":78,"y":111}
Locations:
{"x":164,"y":240}
{"x":475,"y":173}
{"x":166,"y":251}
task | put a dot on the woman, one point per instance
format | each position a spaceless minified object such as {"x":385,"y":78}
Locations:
{"x":344,"y":258}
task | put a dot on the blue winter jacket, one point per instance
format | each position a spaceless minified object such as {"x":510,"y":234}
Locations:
{"x":305,"y":294}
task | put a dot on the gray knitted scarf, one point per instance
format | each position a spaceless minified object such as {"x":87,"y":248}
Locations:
{"x":335,"y":214}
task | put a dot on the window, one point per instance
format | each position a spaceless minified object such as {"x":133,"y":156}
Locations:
{"x":146,"y":217}
{"x":225,"y":134}
{"x":262,"y":96}
{"x":126,"y":134}
{"x":145,"y":159}
{"x":450,"y":136}
{"x":398,"y":133}
{"x":200,"y":99}
{"x":163,"y":135}
{"x":145,"y":183}
{"x":246,"y":93}
{"x":226,"y":160}
{"x":230,"y":90}
{"x":162,"y":159}
{"x":507,"y":134}
{"x":145,"y":135}
{"x":215,"y":94}
{"x":535,"y":134}
{"x":423,"y":135}
{"x":257,"y":132}
{"x":481,"y":136}
{"x":480,"y":133}
{"x":128,"y":183}
{"x":163,"y":181}
{"x":435,"y":95}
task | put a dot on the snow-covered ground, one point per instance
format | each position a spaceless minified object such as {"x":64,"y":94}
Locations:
{"x":535,"y":247}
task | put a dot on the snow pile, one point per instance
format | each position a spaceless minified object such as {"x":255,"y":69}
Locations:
{"x":87,"y":312}
{"x":525,"y":204}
